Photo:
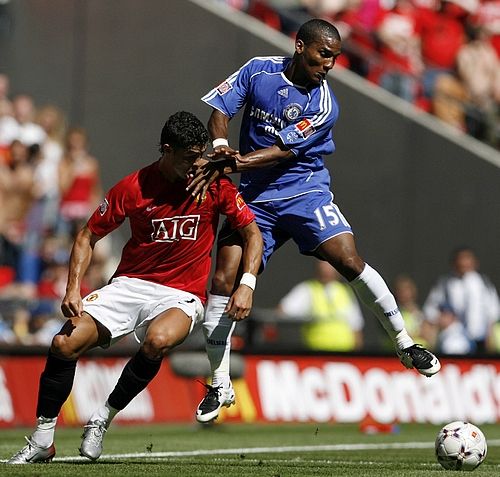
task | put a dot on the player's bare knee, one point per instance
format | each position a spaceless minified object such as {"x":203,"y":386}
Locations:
{"x":155,"y":347}
{"x":63,"y":347}
{"x":350,"y":266}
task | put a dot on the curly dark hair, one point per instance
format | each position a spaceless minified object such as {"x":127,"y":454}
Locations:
{"x":183,"y":130}
{"x":312,"y":29}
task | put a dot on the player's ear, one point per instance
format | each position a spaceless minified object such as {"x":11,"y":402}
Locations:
{"x":299,"y":46}
{"x":166,"y":148}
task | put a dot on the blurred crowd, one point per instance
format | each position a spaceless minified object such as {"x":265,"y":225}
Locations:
{"x":459,"y":316}
{"x":49,"y":183}
{"x":443,"y":56}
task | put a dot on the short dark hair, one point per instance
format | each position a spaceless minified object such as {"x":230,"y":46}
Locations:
{"x":459,"y":250}
{"x":313,"y":29}
{"x":183,"y":130}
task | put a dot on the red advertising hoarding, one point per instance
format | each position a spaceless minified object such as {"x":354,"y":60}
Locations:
{"x":273,"y":389}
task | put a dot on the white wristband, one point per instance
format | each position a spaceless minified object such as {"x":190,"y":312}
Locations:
{"x":249,"y":280}
{"x":220,"y":141}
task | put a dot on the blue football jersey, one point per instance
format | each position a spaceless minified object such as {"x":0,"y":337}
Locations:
{"x":274,"y":107}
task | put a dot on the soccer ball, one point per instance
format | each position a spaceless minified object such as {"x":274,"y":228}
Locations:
{"x":460,"y":446}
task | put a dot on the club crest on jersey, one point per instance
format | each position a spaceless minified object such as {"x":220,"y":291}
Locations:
{"x":173,"y":229}
{"x":224,"y":87}
{"x":240,"y":202}
{"x":103,"y":207}
{"x":92,"y":297}
{"x":305,"y":128}
{"x":292,"y":111}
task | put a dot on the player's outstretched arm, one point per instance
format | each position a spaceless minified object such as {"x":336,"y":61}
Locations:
{"x":81,"y":254}
{"x":205,"y":174}
{"x":240,"y":303}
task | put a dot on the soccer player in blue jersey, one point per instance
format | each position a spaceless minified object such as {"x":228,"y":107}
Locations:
{"x":289,"y":112}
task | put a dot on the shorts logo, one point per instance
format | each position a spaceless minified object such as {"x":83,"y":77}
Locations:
{"x":103,"y":207}
{"x":224,"y":87}
{"x":92,"y":297}
{"x":240,"y":202}
{"x":173,"y":229}
{"x":292,"y":136}
{"x":292,"y":111}
{"x":305,"y":128}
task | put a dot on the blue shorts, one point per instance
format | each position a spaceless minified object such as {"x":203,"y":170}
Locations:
{"x":309,"y":219}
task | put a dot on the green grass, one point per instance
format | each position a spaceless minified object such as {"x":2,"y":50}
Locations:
{"x":150,"y":452}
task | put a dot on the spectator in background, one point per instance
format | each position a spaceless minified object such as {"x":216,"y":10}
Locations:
{"x":443,"y":34}
{"x":5,"y":103}
{"x":9,"y":256}
{"x":470,"y":294}
{"x":42,"y":217}
{"x":406,"y":293}
{"x":6,"y":118}
{"x":331,"y":316}
{"x":487,"y":16}
{"x":17,"y":187}
{"x":7,"y":335}
{"x":478,"y":68}
{"x":5,"y":115}
{"x":79,"y":181}
{"x":21,"y":125}
{"x":398,"y":33}
{"x":53,"y":122}
{"x":452,"y":337}
{"x":17,"y":198}
{"x":45,"y":322}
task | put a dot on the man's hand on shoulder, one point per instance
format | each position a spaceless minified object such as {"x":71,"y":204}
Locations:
{"x":204,"y":172}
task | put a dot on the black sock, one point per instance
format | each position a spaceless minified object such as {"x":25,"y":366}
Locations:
{"x":136,"y":375}
{"x":56,"y":382}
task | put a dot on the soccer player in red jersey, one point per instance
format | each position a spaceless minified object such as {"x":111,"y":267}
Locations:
{"x":158,"y":289}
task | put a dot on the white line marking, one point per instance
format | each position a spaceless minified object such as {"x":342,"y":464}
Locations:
{"x":264,"y":450}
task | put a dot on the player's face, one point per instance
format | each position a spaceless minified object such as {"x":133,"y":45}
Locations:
{"x":184,"y":160}
{"x":316,"y":59}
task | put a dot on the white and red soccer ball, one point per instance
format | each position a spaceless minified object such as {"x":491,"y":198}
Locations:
{"x":460,"y":446}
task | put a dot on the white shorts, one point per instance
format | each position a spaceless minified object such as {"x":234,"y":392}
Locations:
{"x":128,"y":305}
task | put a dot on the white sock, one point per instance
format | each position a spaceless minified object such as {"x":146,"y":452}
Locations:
{"x":374,"y":293}
{"x":44,"y":432}
{"x":105,"y":413}
{"x":218,"y":329}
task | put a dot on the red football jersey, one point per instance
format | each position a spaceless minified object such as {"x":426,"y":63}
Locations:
{"x":171,"y":235}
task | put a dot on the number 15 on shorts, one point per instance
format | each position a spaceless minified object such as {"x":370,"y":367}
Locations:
{"x":330,"y":215}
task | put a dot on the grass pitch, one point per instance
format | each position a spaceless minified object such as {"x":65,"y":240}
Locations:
{"x":253,"y":450}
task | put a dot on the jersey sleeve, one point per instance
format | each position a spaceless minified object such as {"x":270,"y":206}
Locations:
{"x":111,"y":212}
{"x":313,"y":128}
{"x":230,"y":95}
{"x":232,"y":205}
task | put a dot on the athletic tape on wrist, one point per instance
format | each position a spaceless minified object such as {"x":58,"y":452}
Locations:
{"x":220,"y":141}
{"x":249,"y":280}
